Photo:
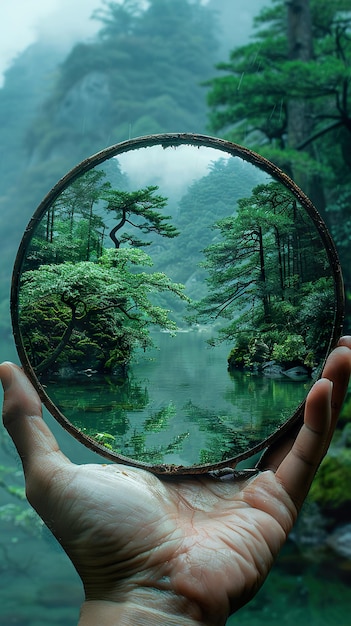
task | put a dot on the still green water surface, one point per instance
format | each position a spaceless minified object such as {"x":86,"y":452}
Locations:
{"x":39,"y":586}
{"x":178,"y":404}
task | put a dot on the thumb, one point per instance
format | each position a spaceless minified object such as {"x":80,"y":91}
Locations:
{"x":22,"y":417}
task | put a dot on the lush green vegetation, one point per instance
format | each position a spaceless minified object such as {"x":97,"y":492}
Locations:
{"x":267,"y":278}
{"x":261,"y":267}
{"x":151,"y":65}
{"x":200,"y":206}
{"x":288,"y":94}
{"x":332,"y":489}
{"x":83,"y":304}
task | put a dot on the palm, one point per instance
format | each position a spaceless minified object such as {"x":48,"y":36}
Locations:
{"x":201,"y":538}
{"x":208,"y":542}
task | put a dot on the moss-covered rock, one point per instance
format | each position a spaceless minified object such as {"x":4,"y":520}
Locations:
{"x":331,"y":487}
{"x":345,"y":417}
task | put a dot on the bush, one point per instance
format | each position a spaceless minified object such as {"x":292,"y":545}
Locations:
{"x":331,"y":487}
{"x":291,"y":349}
{"x":238,"y":355}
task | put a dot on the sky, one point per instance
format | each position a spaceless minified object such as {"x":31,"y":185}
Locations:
{"x":64,"y":22}
{"x":22,"y":22}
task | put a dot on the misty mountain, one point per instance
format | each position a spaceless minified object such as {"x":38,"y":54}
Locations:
{"x":27,"y":84}
{"x":145,"y":78}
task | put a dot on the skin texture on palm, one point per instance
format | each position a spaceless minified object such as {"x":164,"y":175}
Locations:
{"x":171,"y":551}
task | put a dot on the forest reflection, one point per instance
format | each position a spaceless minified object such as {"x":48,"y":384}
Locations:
{"x":178,"y":405}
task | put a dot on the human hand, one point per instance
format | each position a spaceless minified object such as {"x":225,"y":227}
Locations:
{"x":170,"y":551}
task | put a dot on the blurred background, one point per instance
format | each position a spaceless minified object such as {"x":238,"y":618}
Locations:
{"x":271,"y":75}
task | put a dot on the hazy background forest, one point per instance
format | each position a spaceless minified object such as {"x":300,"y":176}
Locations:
{"x":142,"y":74}
{"x":274,"y":77}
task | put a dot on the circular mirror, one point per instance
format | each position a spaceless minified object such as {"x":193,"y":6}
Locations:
{"x":174,"y":298}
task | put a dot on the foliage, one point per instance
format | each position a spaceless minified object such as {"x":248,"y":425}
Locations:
{"x":95,"y":301}
{"x":252,"y":99}
{"x":143,"y":207}
{"x":198,"y":208}
{"x":260,"y":78}
{"x":21,"y":517}
{"x":265,"y":269}
{"x":239,"y":354}
{"x":292,"y":348}
{"x":16,"y":511}
{"x":331,"y":488}
{"x":81,"y":302}
{"x":316,"y":311}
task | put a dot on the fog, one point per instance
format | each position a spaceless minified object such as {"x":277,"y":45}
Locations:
{"x":60,"y":22}
{"x":63,"y":23}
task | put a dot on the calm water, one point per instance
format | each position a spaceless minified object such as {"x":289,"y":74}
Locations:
{"x":179,"y":403}
{"x":39,"y":587}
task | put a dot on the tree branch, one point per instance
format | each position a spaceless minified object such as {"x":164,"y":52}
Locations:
{"x":319,"y":134}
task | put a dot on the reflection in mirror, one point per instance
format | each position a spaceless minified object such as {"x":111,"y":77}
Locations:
{"x":176,"y":303}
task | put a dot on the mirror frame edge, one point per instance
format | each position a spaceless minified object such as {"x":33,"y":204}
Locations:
{"x":169,"y":140}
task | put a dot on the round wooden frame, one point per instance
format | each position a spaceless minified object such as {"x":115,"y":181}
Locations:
{"x":167,"y":140}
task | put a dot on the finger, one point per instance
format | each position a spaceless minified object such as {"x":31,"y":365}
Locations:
{"x":22,"y":418}
{"x":337,"y":369}
{"x":297,"y":470}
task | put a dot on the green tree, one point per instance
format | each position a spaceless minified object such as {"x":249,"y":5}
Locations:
{"x":105,"y":305}
{"x":71,"y":229}
{"x":140,"y":211}
{"x":99,"y":300}
{"x":213,"y":196}
{"x":264,"y":263}
{"x":259,"y":96}
{"x":251,"y":100}
{"x":76,"y":226}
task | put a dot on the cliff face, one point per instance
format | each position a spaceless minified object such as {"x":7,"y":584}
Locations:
{"x":78,"y":125}
{"x":88,"y":101}
{"x":57,"y":109}
{"x":27,"y":84}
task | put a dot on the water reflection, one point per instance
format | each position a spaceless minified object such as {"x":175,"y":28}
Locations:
{"x":179,"y":404}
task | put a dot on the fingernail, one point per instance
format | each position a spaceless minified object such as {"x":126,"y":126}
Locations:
{"x":324,"y":380}
{"x":345,"y":341}
{"x":5,"y":375}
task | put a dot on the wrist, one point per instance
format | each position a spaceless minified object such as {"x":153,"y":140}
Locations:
{"x":110,"y":613}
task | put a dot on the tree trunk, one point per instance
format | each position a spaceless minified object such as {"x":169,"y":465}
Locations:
{"x":280,"y":262}
{"x":44,"y":365}
{"x":263,"y":277}
{"x":300,"y":48}
{"x":117,"y":228}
